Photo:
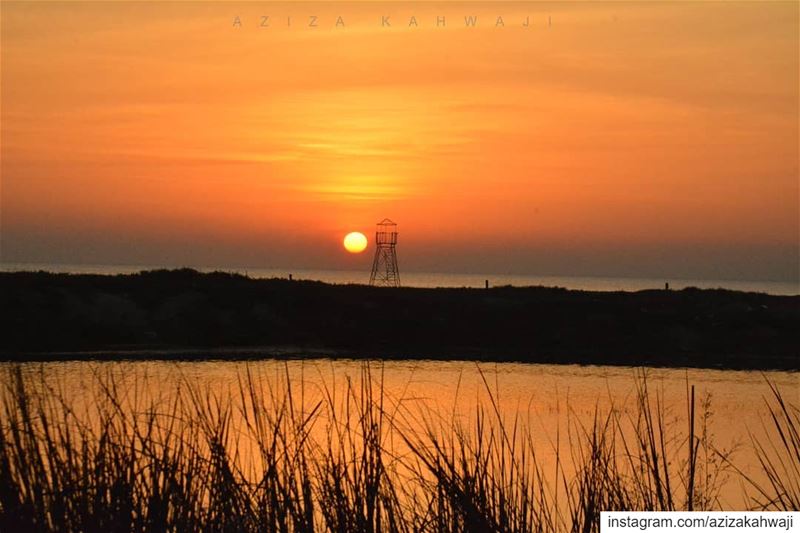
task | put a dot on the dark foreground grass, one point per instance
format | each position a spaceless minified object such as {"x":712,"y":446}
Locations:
{"x":262,"y":458}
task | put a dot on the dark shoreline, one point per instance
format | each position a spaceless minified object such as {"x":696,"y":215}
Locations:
{"x":186,"y":315}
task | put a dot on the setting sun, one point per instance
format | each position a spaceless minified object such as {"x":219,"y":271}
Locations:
{"x":355,"y":242}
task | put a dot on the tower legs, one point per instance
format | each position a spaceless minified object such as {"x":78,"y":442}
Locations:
{"x":385,"y":272}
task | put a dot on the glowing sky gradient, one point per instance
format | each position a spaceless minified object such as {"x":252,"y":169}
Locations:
{"x":627,"y":139}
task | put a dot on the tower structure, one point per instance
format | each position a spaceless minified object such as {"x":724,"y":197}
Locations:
{"x":384,"y":268}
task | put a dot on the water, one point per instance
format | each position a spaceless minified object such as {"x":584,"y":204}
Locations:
{"x":553,"y":402}
{"x":433,"y":279}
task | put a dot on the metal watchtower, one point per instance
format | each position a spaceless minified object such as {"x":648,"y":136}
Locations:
{"x":384,"y":268}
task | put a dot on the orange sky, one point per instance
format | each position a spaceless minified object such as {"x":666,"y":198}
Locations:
{"x":640,"y":139}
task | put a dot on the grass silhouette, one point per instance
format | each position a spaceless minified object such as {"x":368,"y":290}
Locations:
{"x":260,"y":457}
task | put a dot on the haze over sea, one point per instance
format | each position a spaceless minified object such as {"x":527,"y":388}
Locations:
{"x":442,"y":279}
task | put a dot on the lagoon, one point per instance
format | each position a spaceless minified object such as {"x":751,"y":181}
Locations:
{"x":556,"y":407}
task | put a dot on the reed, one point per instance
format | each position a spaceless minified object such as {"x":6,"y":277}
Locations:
{"x":778,"y":454}
{"x":266,"y":456}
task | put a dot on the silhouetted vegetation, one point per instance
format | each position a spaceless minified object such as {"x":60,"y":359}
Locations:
{"x":257,"y":459}
{"x":55,"y":314}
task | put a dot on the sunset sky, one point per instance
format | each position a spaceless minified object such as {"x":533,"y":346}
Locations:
{"x":617,"y":139}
